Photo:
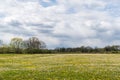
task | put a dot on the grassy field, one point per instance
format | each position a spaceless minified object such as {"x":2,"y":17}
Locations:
{"x":59,"y":67}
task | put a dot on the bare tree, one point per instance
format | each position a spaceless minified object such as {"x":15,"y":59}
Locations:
{"x":43,"y":45}
{"x":34,"y":43}
{"x":17,"y":44}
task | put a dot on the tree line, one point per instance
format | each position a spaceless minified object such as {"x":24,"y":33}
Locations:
{"x":18,"y":45}
{"x":35,"y":46}
{"x":88,"y":49}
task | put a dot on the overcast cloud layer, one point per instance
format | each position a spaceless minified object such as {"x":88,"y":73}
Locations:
{"x":62,"y":23}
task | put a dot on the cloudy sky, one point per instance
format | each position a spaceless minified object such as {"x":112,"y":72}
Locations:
{"x":62,"y":23}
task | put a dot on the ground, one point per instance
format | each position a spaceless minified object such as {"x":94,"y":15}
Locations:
{"x":60,"y":66}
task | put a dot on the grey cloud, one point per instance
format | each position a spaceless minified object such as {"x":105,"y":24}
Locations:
{"x":37,"y":25}
{"x":15,"y":23}
{"x":63,"y":23}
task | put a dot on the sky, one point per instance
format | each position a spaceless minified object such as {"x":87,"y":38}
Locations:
{"x":62,"y":23}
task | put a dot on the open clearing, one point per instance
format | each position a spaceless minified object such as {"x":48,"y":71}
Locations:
{"x":59,"y":66}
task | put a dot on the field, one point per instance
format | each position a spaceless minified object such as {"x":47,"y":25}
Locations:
{"x":59,"y":67}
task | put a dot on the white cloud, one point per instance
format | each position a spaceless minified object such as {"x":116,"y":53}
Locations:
{"x":71,"y":22}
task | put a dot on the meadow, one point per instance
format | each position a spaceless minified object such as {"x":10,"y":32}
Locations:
{"x":59,"y":66}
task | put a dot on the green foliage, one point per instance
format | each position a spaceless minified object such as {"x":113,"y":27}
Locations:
{"x":37,"y":51}
{"x":88,"y":49}
{"x":18,"y":45}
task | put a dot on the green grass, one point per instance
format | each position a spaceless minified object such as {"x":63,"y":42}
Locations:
{"x":59,"y":67}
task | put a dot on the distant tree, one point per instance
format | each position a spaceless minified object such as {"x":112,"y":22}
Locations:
{"x":34,"y":43}
{"x":1,"y":42}
{"x":83,"y":49}
{"x":1,"y":48}
{"x":115,"y":48}
{"x":5,"y":48}
{"x":17,"y":44}
{"x":43,"y":45}
{"x":89,"y":49}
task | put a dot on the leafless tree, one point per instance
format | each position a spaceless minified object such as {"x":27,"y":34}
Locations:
{"x":34,"y":43}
